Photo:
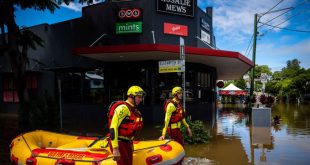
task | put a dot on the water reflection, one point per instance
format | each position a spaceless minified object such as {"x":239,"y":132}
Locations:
{"x":237,"y":141}
{"x":233,"y":141}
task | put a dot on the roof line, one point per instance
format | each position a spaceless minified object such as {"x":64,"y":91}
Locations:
{"x":161,"y":47}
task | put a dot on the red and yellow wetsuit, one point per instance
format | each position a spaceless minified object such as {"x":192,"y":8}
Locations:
{"x":124,"y":115}
{"x":175,"y":115}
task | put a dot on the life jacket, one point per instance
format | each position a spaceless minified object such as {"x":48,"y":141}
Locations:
{"x":130,"y":124}
{"x":178,"y":114}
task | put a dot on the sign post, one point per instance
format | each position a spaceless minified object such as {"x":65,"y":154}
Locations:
{"x":264,"y":78}
{"x":60,"y":103}
{"x":182,"y":57}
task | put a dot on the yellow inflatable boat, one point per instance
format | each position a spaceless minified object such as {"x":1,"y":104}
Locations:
{"x":48,"y":148}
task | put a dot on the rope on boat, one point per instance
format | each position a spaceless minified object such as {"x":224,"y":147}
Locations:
{"x":95,"y":141}
{"x":32,"y":154}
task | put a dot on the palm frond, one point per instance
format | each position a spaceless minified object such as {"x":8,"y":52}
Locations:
{"x":28,"y":38}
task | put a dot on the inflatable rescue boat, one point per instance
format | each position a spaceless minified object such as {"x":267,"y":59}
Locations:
{"x":49,"y":148}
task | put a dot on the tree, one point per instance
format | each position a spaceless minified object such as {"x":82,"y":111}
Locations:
{"x":292,"y":69}
{"x":272,"y":88}
{"x":17,"y":38}
{"x":301,"y":83}
{"x":259,"y":69}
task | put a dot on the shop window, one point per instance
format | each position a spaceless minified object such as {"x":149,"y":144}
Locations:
{"x":31,"y":82}
{"x":199,"y":79}
{"x":71,"y":87}
{"x":9,"y":91}
{"x":94,"y":87}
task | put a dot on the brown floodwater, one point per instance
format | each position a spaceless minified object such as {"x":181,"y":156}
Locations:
{"x":234,"y":140}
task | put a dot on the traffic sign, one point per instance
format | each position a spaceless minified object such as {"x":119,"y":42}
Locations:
{"x":171,"y":66}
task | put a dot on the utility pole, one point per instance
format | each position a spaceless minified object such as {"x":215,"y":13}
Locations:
{"x":253,"y":55}
{"x":182,"y":57}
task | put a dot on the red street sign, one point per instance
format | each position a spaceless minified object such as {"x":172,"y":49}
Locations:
{"x":175,"y":29}
{"x":129,"y":13}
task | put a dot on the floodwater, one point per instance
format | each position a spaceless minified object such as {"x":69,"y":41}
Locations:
{"x":237,"y":141}
{"x":234,"y":141}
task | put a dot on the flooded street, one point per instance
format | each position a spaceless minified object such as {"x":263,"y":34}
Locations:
{"x":233,"y":141}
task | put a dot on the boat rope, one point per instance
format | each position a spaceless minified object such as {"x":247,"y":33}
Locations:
{"x":95,"y":141}
{"x":79,"y":160}
{"x":154,"y":146}
{"x":32,"y":154}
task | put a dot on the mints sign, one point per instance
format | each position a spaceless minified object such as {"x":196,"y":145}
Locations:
{"x":128,"y":27}
{"x":179,"y":7}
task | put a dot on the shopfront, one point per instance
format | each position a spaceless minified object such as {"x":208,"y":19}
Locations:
{"x":116,"y":44}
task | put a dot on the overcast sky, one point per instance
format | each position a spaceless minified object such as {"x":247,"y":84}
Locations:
{"x":233,"y":23}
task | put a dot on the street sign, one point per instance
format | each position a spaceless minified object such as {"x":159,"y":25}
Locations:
{"x":263,"y":80}
{"x":263,"y":77}
{"x":171,"y":66}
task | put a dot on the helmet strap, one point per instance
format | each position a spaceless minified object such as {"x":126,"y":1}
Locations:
{"x":133,"y":98}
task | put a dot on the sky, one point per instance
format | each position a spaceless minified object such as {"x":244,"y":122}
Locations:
{"x":233,"y":24}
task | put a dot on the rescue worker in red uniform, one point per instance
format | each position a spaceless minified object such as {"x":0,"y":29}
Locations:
{"x":174,"y":116}
{"x":124,"y":121}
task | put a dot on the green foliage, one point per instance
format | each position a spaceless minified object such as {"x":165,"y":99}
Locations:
{"x":271,"y":88}
{"x":291,"y":82}
{"x":292,"y":69}
{"x":259,"y":69}
{"x":51,"y":5}
{"x":199,"y":132}
{"x":238,"y":83}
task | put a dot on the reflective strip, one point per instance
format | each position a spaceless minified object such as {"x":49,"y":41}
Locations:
{"x":126,"y":138}
{"x":174,"y":160}
{"x":175,"y":125}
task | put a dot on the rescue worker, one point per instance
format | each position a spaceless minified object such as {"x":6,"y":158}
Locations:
{"x":124,"y":122}
{"x":174,"y":116}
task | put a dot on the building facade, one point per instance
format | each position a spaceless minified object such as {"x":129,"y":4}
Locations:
{"x":116,"y":44}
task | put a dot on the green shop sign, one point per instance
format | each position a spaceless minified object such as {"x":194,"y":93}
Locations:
{"x":128,"y":27}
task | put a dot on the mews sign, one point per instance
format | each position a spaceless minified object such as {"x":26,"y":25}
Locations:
{"x":178,"y":7}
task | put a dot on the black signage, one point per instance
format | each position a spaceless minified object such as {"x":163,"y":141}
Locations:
{"x":129,"y":13}
{"x":205,"y":24}
{"x":179,"y":7}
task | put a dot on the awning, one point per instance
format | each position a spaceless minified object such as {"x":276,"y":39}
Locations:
{"x":231,"y":89}
{"x":229,"y":65}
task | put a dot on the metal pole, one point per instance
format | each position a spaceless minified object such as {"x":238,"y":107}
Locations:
{"x":253,"y":55}
{"x":153,"y":35}
{"x":60,"y":104}
{"x":182,"y":57}
{"x":104,"y":34}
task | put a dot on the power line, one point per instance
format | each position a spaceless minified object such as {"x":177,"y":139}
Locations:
{"x":288,"y":9}
{"x":276,"y":16}
{"x":249,"y":51}
{"x":246,"y":51}
{"x":271,"y":9}
{"x":274,"y":26}
{"x":304,"y":31}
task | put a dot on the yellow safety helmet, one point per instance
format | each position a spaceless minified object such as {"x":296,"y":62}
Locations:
{"x":176,"y":90}
{"x":135,"y":91}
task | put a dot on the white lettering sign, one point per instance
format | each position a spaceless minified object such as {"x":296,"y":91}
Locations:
{"x":205,"y":37}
